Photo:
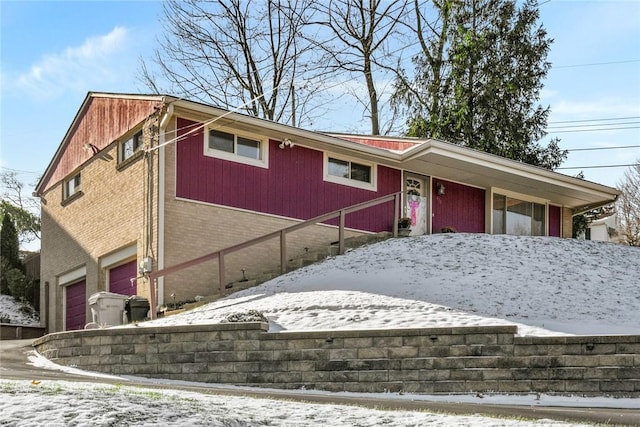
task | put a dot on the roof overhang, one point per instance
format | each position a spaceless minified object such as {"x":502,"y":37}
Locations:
{"x":429,"y":157}
{"x":278,"y":131}
{"x":464,"y":165}
{"x":432,"y":158}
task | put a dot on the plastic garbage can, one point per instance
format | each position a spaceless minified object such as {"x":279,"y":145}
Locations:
{"x":107,"y":308}
{"x":137,"y":308}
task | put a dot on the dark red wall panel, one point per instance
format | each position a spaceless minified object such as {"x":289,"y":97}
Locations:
{"x":555,"y":219}
{"x":460,"y":206}
{"x":293,"y":186}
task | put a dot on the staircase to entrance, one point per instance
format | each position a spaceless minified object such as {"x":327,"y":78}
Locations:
{"x":286,"y":263}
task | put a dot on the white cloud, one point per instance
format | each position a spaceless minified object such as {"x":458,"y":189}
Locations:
{"x":80,"y":68}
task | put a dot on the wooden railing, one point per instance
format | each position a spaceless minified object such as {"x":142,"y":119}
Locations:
{"x":220,"y":254}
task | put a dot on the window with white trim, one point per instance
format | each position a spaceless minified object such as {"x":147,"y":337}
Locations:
{"x":130,"y":147}
{"x":354,"y":173}
{"x":71,"y":187}
{"x":237,"y":148}
{"x":518,"y":217}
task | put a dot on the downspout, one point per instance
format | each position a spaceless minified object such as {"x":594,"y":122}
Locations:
{"x":164,"y":122}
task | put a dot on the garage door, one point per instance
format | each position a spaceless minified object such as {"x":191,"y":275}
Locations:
{"x":76,"y":306}
{"x":120,"y":279}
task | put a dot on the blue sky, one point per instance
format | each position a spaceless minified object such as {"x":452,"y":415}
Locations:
{"x":54,"y":52}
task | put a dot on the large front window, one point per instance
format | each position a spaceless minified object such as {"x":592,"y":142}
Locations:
{"x":518,"y":217}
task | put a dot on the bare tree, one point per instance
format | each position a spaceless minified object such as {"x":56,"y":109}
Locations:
{"x":232,"y":53}
{"x":424,"y":93}
{"x":358,"y":42}
{"x":628,"y":205}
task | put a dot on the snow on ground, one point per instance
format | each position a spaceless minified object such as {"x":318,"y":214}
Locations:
{"x":546,"y":286}
{"x":17,"y":313}
{"x":64,"y":403}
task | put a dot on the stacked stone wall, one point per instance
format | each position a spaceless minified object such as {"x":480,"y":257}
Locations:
{"x":442,"y":360}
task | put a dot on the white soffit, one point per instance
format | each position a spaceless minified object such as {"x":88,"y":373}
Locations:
{"x":479,"y":169}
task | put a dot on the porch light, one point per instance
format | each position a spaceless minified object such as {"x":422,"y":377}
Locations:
{"x":440,"y":189}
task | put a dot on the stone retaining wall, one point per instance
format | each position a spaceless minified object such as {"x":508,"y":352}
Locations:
{"x":20,"y":332}
{"x":442,"y":360}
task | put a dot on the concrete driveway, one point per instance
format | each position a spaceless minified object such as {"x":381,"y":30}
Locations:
{"x":14,"y":365}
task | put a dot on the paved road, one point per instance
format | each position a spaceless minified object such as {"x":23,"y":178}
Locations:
{"x":14,"y":365}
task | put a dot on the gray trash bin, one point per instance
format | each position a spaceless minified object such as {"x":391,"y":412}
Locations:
{"x":137,"y":308}
{"x":107,"y":308}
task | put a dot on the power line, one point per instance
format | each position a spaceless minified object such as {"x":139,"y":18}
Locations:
{"x":593,"y":130}
{"x":598,"y":166}
{"x":595,"y":120}
{"x":19,"y":171}
{"x":593,"y":64}
{"x":603,"y":148}
{"x":593,"y":125}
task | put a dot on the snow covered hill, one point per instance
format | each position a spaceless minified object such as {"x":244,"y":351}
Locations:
{"x":547,"y":286}
{"x":17,"y":313}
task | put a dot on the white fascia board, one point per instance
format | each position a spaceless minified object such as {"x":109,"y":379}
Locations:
{"x":290,"y":131}
{"x":396,"y":159}
{"x":507,"y":165}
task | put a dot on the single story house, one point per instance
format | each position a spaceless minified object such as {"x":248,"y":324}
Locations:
{"x":145,"y":182}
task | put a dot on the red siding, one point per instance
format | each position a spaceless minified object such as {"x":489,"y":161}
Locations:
{"x":555,"y":219}
{"x":461,"y":207}
{"x":293,"y":186}
{"x":120,"y":279}
{"x":102,"y":121}
{"x":76,"y":306}
{"x":388,"y":144}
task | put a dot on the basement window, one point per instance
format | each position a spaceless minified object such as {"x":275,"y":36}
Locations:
{"x":236,"y":148}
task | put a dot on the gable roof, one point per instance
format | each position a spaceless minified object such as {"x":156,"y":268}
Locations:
{"x":429,"y":157}
{"x":101,"y":119}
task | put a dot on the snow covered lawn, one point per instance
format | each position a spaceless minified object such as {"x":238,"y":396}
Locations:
{"x":546,"y":286}
{"x":84,"y":404}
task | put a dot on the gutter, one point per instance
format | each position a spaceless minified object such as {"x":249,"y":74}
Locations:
{"x":586,"y":208}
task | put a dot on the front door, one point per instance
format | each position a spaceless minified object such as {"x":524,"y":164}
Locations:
{"x":416,"y":205}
